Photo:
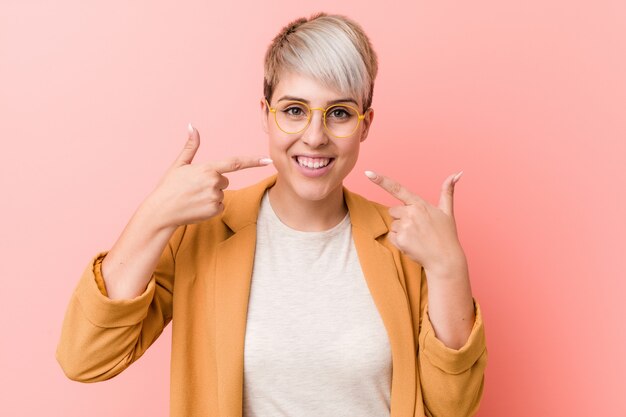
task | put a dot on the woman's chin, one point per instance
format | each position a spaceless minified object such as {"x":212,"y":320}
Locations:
{"x":309,"y":189}
{"x":312,"y":192}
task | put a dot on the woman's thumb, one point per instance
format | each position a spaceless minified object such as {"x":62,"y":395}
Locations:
{"x":191,"y":146}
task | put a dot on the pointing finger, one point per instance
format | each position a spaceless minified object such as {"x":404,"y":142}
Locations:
{"x":393,"y":187}
{"x":238,"y":163}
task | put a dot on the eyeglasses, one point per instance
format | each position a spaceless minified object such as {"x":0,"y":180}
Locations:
{"x":340,"y":120}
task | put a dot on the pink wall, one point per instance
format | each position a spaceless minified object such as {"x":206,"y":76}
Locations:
{"x":526,"y":97}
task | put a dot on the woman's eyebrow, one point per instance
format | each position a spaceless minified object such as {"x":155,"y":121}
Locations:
{"x":341,"y":100}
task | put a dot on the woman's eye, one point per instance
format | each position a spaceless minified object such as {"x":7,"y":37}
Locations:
{"x":294,"y":111}
{"x":339,"y":113}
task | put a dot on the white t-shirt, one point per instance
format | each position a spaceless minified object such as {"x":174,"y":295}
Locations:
{"x":315,"y":343}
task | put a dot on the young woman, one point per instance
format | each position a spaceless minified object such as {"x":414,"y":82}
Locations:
{"x":293,"y":296}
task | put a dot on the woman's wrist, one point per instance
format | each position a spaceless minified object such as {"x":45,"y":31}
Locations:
{"x":151,"y":215}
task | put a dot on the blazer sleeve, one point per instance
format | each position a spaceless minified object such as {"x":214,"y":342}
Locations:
{"x":101,"y":337}
{"x":452,"y":380}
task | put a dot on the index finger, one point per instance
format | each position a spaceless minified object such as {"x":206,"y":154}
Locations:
{"x":393,"y":187}
{"x":239,"y":162}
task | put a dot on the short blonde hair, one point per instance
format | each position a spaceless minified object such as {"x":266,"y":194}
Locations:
{"x":332,"y":49}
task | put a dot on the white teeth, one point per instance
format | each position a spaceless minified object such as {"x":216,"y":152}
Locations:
{"x":313,"y":163}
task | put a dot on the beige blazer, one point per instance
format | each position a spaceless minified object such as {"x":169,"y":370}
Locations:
{"x":202,"y":284}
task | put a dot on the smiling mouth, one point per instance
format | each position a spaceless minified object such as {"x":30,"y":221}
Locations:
{"x":313,"y":163}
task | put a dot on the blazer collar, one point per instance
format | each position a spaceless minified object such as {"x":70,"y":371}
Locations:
{"x":242,"y":209}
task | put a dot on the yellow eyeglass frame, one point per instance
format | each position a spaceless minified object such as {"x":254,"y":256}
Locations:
{"x":308,"y":122}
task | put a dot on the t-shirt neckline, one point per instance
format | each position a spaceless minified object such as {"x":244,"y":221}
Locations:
{"x":273,"y":217}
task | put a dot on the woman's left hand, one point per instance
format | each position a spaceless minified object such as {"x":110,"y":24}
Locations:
{"x":425,"y":233}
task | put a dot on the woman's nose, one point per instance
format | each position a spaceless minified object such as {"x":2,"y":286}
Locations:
{"x":315,"y":134}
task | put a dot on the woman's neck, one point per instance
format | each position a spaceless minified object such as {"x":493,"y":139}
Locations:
{"x":307,"y":215}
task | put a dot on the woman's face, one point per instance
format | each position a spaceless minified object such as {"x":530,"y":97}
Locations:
{"x":291,"y":151}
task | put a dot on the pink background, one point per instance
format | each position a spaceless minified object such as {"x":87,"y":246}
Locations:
{"x":527,"y":98}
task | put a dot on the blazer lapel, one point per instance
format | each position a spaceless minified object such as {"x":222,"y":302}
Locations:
{"x":383,"y":280}
{"x":233,"y":274}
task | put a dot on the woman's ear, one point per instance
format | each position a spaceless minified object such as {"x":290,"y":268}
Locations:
{"x":264,"y":112}
{"x":367,"y":122}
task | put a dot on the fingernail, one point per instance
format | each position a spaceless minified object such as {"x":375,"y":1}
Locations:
{"x":265,"y":161}
{"x":370,"y":174}
{"x":456,"y":177}
{"x":190,"y":128}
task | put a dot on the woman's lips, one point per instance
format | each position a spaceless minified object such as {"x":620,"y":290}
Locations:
{"x":313,"y":172}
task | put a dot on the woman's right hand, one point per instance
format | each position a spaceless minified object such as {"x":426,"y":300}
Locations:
{"x":193,"y":193}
